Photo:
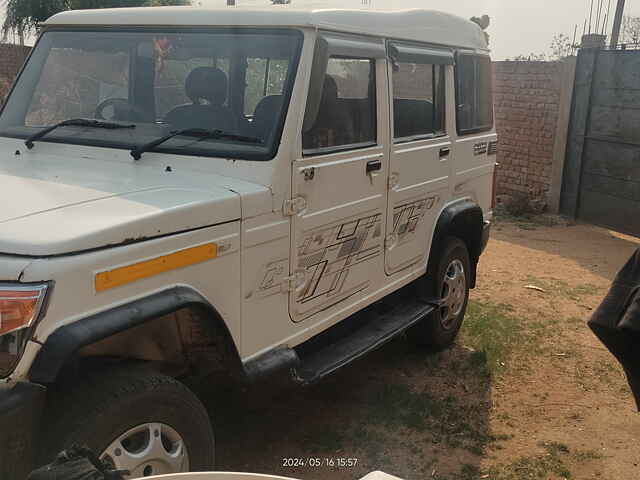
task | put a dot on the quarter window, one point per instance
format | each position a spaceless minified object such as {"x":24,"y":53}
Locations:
{"x":473,"y":90}
{"x":347,"y":112}
{"x":418,"y":100}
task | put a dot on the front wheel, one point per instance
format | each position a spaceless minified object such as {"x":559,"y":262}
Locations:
{"x":448,"y":284}
{"x":134,"y":419}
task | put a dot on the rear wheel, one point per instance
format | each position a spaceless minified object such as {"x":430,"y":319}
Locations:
{"x":448,"y":284}
{"x":134,"y":419}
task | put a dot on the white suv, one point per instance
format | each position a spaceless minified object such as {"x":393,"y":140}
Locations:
{"x":191,"y":189}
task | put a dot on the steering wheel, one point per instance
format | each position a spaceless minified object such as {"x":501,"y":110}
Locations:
{"x":118,"y":109}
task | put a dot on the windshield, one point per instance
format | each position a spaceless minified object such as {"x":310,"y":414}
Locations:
{"x":237,"y":81}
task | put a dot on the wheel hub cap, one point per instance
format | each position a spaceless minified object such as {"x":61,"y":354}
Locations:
{"x":148,"y":449}
{"x":453,"y":294}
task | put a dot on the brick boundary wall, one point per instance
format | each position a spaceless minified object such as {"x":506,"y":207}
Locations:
{"x":11,"y":59}
{"x":527,"y":103}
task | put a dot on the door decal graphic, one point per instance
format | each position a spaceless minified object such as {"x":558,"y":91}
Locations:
{"x":407,"y":217}
{"x":271,"y":280}
{"x":335,"y":260}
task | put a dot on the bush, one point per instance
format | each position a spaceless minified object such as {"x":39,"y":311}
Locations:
{"x":521,"y":204}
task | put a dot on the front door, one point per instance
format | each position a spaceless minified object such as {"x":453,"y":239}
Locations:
{"x":420,"y":151}
{"x":338,"y":237}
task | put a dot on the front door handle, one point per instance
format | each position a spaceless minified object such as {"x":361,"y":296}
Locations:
{"x":444,"y":152}
{"x":374,"y":166}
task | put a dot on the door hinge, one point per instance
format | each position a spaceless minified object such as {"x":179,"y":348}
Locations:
{"x":293,"y":282}
{"x":294,"y":206}
{"x":394,"y":179}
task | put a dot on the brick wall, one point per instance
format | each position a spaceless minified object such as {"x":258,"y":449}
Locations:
{"x":11,"y":59}
{"x":527,"y":103}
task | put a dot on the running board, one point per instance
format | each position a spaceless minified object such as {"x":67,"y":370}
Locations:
{"x":354,"y":337}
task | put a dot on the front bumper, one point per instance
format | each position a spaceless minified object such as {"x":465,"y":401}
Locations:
{"x":486,"y":232}
{"x":20,"y":412}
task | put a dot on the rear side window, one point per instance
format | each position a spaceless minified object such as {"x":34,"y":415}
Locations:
{"x":473,"y":91}
{"x":418,"y":100}
{"x":347,"y":112}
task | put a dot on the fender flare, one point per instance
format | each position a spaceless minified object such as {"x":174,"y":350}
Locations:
{"x":443,"y":229}
{"x":64,"y":342}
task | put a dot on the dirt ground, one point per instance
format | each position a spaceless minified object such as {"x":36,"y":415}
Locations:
{"x":527,"y":392}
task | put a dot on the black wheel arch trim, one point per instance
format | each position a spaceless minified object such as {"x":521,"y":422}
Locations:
{"x":64,"y":342}
{"x":443,"y":229}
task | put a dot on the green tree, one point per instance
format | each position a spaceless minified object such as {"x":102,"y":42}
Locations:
{"x":23,"y":16}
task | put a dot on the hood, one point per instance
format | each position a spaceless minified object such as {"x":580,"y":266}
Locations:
{"x":59,"y":207}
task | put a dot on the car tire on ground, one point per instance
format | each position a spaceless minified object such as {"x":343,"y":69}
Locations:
{"x":135,"y":418}
{"x":450,"y":282}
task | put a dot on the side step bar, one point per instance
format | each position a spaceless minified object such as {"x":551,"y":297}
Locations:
{"x":271,"y":362}
{"x":366,"y":331}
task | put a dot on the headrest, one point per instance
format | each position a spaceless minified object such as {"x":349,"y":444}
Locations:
{"x":268,"y":107}
{"x":330,"y":88}
{"x":207,"y":83}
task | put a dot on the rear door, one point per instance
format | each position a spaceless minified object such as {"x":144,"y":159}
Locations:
{"x":340,"y":179}
{"x":420,"y":151}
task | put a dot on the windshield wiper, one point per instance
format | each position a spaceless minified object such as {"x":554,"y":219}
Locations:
{"x":202,"y":133}
{"x":75,"y":122}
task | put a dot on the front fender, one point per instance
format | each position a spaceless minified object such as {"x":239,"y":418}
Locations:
{"x":64,"y":342}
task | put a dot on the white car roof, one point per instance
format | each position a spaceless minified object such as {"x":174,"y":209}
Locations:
{"x":413,"y":25}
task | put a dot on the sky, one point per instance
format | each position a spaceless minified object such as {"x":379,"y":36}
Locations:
{"x":518,"y":27}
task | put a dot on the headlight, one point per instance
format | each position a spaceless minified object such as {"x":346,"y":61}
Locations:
{"x":20,"y":307}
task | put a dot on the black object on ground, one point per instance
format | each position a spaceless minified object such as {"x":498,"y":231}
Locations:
{"x":616,"y":322}
{"x":76,"y":463}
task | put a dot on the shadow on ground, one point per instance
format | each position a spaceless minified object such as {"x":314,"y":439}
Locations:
{"x":400,"y":410}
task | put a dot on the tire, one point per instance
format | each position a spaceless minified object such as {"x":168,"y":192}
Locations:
{"x":134,"y":405}
{"x":439,"y":330}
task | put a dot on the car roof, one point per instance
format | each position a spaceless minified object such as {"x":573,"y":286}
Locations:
{"x":417,"y":25}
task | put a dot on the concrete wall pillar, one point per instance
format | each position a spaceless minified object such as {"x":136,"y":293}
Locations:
{"x":567,"y":81}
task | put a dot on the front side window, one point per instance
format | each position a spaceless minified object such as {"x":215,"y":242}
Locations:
{"x":347,"y":113}
{"x":474,"y":97}
{"x":236,"y":81}
{"x":418,"y":100}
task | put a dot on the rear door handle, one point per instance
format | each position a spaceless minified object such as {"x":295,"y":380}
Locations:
{"x":374,"y":166}
{"x":444,"y":152}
